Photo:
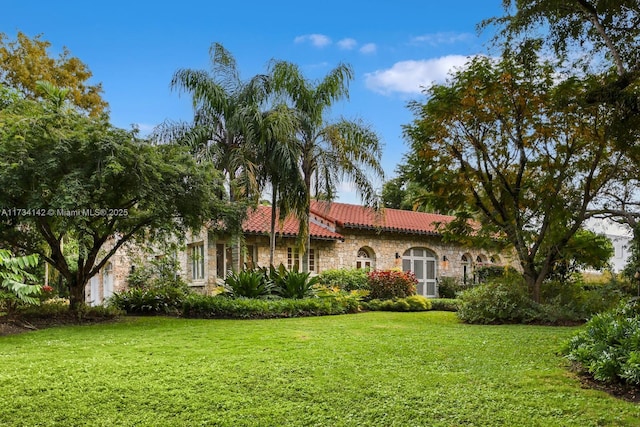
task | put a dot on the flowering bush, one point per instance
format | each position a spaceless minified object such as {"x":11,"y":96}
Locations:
{"x":390,"y":284}
{"x":47,"y":292}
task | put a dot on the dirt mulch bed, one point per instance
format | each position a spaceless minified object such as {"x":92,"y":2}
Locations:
{"x":621,"y":391}
{"x":17,"y":325}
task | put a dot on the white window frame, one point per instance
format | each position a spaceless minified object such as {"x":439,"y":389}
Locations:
{"x":196,"y":253}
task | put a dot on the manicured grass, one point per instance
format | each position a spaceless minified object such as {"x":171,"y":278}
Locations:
{"x":377,"y":369}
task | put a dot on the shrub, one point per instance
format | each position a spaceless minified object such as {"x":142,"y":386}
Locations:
{"x":390,"y":284}
{"x":158,"y":273}
{"x":418,"y":303}
{"x":491,"y":272}
{"x":351,"y":299}
{"x":58,"y":308}
{"x":573,"y":301}
{"x":292,"y":284}
{"x":347,"y":279}
{"x":248,"y":284}
{"x":411,"y":303}
{"x":444,"y":304}
{"x":201,"y":306}
{"x":500,"y":300}
{"x":166,"y":300}
{"x":609,"y":347}
{"x":449,"y":287}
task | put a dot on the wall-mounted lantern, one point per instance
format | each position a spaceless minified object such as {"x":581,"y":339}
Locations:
{"x":445,"y":262}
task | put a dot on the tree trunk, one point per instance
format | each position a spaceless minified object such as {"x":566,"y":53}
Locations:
{"x":272,"y":236}
{"x":76,"y":294}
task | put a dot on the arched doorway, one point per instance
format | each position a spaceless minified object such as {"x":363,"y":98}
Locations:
{"x":422,"y":262}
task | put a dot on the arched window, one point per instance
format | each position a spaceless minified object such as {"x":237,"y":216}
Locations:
{"x":365,"y":258}
{"x":481,"y":260}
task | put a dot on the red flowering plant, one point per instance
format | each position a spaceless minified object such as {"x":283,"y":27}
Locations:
{"x":390,"y":284}
{"x":47,"y":292}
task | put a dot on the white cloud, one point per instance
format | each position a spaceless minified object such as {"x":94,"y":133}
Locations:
{"x":368,"y":48}
{"x":436,"y":39}
{"x":347,"y":44}
{"x":317,"y":40}
{"x":413,"y":76}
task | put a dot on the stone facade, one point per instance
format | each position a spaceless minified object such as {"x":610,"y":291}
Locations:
{"x":348,"y":237}
{"x":384,"y":251}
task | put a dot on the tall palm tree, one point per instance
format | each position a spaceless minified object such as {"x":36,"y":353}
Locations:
{"x":329,"y":151}
{"x":227,"y":121}
{"x":234,"y":127}
{"x":280,"y":167}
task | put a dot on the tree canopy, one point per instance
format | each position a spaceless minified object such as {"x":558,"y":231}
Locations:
{"x":26,"y":61}
{"x":506,"y":144}
{"x":64,"y":174}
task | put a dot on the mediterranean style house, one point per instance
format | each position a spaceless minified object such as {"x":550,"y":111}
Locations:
{"x":342,"y":236}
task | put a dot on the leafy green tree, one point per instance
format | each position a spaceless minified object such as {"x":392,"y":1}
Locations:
{"x":609,"y":28}
{"x":402,"y":193}
{"x":585,"y":249}
{"x":600,"y":40}
{"x":505,"y":144}
{"x":66,"y":176}
{"x":329,"y":151}
{"x":26,"y":61}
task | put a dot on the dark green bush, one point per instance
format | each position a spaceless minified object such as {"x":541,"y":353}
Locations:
{"x":166,"y":300}
{"x":200,"y":306}
{"x":490,"y":272}
{"x":59,"y":309}
{"x":444,"y":304}
{"x":502,"y":300}
{"x":411,"y":303}
{"x":391,"y":284}
{"x":574,"y":301}
{"x":158,"y":273}
{"x":449,"y":287}
{"x":609,"y":347}
{"x":347,"y":279}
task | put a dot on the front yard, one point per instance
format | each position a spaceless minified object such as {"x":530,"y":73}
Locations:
{"x":377,"y":369}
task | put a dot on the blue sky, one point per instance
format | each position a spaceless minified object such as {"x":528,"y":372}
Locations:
{"x":134,"y":47}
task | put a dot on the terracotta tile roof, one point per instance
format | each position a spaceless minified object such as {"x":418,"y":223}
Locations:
{"x":354,"y":216}
{"x":259,"y":222}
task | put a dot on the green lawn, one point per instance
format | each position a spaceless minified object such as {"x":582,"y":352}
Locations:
{"x":378,"y":369}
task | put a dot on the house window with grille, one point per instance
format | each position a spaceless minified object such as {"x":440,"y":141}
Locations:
{"x":197,"y":261}
{"x":364,"y":259}
{"x":293,"y":259}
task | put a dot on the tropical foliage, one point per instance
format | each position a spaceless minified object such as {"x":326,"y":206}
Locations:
{"x":328,"y":151}
{"x":609,"y":346}
{"x":14,"y":272}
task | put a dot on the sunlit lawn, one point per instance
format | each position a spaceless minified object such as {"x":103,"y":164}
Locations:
{"x":377,"y":369}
